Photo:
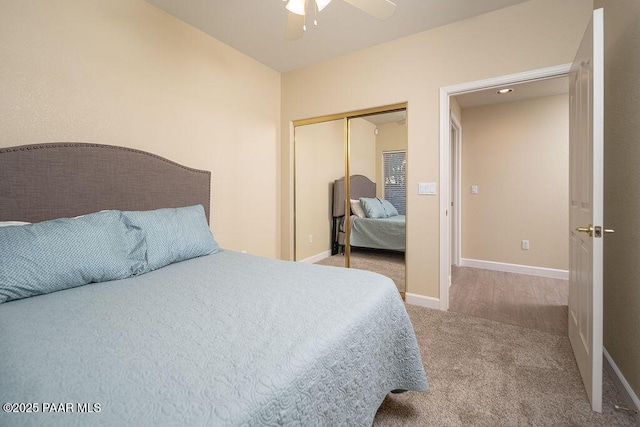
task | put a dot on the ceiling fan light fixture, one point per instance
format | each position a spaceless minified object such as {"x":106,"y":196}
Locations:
{"x":296,"y":6}
{"x":322,"y":4}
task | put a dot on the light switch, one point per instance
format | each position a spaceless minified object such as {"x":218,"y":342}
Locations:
{"x":474,"y":189}
{"x":427,"y":188}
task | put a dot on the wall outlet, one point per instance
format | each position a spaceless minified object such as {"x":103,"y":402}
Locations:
{"x":525,"y":245}
{"x":310,"y":238}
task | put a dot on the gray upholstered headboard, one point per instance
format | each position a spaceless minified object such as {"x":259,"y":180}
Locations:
{"x":359,"y":186}
{"x":57,"y":180}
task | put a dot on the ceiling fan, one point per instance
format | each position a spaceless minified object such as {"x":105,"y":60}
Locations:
{"x":381,"y":9}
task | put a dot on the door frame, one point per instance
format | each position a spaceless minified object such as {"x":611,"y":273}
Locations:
{"x":445,"y":155}
{"x":456,"y":184}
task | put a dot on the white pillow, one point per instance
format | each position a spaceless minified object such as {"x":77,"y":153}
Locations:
{"x":356,"y":208}
{"x":12,"y":223}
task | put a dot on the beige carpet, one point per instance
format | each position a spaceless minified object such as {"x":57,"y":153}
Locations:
{"x":486,"y":373}
{"x":390,"y":264}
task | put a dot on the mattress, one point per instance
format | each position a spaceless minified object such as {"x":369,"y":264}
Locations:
{"x":380,"y":233}
{"x":225,"y":339}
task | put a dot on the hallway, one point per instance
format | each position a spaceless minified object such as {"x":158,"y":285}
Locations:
{"x":529,"y":301}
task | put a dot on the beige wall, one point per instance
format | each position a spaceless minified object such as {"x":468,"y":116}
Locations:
{"x":362,"y":148}
{"x":319,"y":154}
{"x":391,"y":137}
{"x":122,"y":72}
{"x":622,"y":185}
{"x":517,"y":153}
{"x":531,"y":35}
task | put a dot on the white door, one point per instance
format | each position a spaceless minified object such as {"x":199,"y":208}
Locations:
{"x":586,"y":207}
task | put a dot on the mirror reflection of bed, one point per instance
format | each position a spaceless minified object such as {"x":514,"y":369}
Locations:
{"x":377,"y":230}
{"x":377,"y":163}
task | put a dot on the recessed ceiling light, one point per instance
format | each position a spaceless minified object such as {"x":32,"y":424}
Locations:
{"x":504,"y":91}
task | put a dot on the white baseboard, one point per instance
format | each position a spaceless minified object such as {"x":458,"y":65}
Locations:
{"x":422,"y":301}
{"x":316,"y":258}
{"x":621,"y":383}
{"x":515,"y":268}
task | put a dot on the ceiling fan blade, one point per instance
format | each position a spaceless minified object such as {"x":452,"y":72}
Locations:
{"x":295,"y":24}
{"x":381,"y":9}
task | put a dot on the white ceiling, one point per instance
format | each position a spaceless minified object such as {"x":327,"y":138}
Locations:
{"x":256,"y":27}
{"x":536,"y":89}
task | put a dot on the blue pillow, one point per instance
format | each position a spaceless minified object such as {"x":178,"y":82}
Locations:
{"x":174,"y":234}
{"x":373,"y":207}
{"x":389,"y":209}
{"x":64,"y":253}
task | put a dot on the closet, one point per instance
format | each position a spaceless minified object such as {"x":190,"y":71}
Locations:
{"x":350,"y":190}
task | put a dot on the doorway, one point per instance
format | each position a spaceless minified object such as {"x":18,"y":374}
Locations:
{"x":515,"y":175}
{"x":586,"y":134}
{"x":446,"y":181}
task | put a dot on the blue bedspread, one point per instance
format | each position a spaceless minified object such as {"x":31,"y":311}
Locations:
{"x":226,"y":339}
{"x":379,"y":233}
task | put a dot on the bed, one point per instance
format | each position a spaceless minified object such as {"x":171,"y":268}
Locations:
{"x":375,"y":233}
{"x":219,"y":339}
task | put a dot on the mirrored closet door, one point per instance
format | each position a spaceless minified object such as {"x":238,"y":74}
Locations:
{"x":350,"y":193}
{"x":377,"y":187}
{"x":319,"y":159}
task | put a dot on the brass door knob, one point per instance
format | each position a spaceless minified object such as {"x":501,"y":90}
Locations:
{"x":588,"y":230}
{"x":597,"y":230}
